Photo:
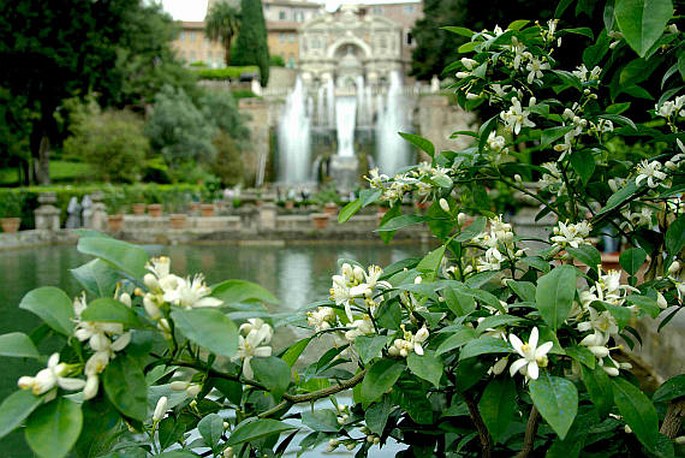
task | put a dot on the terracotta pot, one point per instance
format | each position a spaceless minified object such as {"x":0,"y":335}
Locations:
{"x":115,"y":222}
{"x":178,"y":220}
{"x":10,"y":225}
{"x":194,"y":207}
{"x":320,"y":220}
{"x":289,"y":204}
{"x":207,"y":210}
{"x":331,"y":209}
{"x":138,"y":209}
{"x":154,"y":210}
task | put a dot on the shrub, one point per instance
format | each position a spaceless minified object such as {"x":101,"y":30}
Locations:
{"x":228,"y":73}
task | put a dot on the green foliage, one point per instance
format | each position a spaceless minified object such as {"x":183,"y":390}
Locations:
{"x":222,"y":24}
{"x":251,"y":47}
{"x":112,"y":143}
{"x":228,"y":73}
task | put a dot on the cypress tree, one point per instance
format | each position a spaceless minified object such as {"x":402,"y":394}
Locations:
{"x":251,"y":46}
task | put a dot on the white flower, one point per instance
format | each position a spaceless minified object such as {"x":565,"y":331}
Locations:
{"x":410,"y":342}
{"x":190,"y":293}
{"x":50,"y":377}
{"x":516,"y":117}
{"x":596,"y":343}
{"x":496,"y":142}
{"x":444,"y":205}
{"x":532,"y":356}
{"x":650,"y":171}
{"x":321,"y":319}
{"x":160,"y":409}
{"x":90,"y":390}
{"x":254,"y":344}
{"x":572,"y":235}
{"x":360,"y":328}
{"x":535,"y":66}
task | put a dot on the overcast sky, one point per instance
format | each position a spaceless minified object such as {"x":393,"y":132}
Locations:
{"x":194,"y":10}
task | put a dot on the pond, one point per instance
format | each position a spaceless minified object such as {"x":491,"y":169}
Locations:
{"x":297,"y":274}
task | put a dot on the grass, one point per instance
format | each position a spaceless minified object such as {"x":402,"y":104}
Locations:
{"x":60,"y":172}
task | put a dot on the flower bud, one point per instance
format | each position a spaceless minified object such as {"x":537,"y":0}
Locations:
{"x":228,"y":452}
{"x":661,"y":301}
{"x":193,"y":390}
{"x":444,"y":205}
{"x":125,"y":299}
{"x":151,"y":308}
{"x":674,"y":268}
{"x":461,"y":218}
{"x":179,"y":385}
{"x":160,"y":409}
{"x":151,"y":282}
{"x":91,"y":388}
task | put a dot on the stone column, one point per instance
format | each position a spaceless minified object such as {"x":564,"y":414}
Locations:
{"x":98,"y":220}
{"x":248,"y":216}
{"x":47,"y":215}
{"x":267,"y":216}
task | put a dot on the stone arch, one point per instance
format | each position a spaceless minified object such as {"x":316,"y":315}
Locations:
{"x":347,"y":40}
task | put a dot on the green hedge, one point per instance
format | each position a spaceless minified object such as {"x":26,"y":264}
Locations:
{"x":117,"y":198}
{"x":230,"y":73}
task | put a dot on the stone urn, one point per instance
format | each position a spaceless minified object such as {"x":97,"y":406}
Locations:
{"x":138,"y":209}
{"x":154,"y":210}
{"x":320,"y":220}
{"x":289,"y":204}
{"x":178,"y":220}
{"x":115,"y":222}
{"x":331,"y":209}
{"x":207,"y":210}
{"x":10,"y":225}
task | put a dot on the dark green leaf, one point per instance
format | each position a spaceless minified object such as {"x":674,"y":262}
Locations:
{"x":484,"y":345}
{"x":495,"y":321}
{"x":52,"y":430}
{"x":349,"y":210}
{"x":587,"y":254}
{"x":236,"y":291}
{"x":598,"y":387}
{"x":582,"y":355}
{"x":97,"y":277}
{"x":497,"y":406}
{"x":251,"y":430}
{"x":292,"y":354}
{"x":632,"y":259}
{"x":53,"y":306}
{"x":400,"y":221}
{"x":642,"y":22}
{"x":380,"y":379}
{"x":124,"y":383}
{"x":458,"y":339}
{"x":646,"y":304}
{"x":675,"y":236}
{"x":15,"y":408}
{"x":619,"y":197}
{"x":459,"y":302}
{"x":430,"y":264}
{"x":274,"y":373}
{"x":557,"y":401}
{"x":555,"y":293}
{"x":126,"y":257}
{"x":584,"y":164}
{"x":18,"y":345}
{"x":427,"y":366}
{"x":463,"y":31}
{"x":672,"y":388}
{"x":369,"y":347}
{"x":637,"y":411}
{"x":208,"y":328}
{"x":525,"y":290}
{"x":553,"y":134}
{"x":324,"y":420}
{"x":211,"y":428}
{"x":420,"y":143}
{"x":475,"y":228}
{"x":377,"y":414}
{"x":518,"y":24}
{"x":108,"y":310}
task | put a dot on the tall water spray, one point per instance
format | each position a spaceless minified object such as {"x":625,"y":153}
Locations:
{"x":392,"y":152}
{"x":345,"y":120}
{"x":294,"y":139}
{"x":330,"y":102}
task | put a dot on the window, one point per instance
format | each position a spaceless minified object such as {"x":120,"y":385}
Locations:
{"x":192,"y":36}
{"x":377,"y":10}
{"x":291,"y":61}
{"x":281,"y":15}
{"x":281,"y":37}
{"x":182,"y":36}
{"x":409,"y":9}
{"x":410,"y":38}
{"x":291,"y":38}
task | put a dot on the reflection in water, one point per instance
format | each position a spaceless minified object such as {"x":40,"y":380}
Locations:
{"x":297,"y":275}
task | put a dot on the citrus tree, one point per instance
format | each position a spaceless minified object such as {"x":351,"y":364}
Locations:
{"x":482,"y":347}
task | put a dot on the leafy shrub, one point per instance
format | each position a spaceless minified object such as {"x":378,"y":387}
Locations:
{"x":228,"y":73}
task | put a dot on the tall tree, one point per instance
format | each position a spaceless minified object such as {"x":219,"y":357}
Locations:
{"x":251,"y":46}
{"x":222,"y":24}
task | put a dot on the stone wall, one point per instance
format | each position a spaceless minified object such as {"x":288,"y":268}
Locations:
{"x":437,"y":120}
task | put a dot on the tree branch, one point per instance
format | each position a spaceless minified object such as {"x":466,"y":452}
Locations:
{"x":674,"y":418}
{"x":483,"y":434}
{"x":531,"y":431}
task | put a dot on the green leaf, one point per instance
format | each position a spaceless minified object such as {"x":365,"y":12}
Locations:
{"x":598,"y":387}
{"x":587,"y":254}
{"x":646,"y":304}
{"x":124,"y":383}
{"x":495,"y":321}
{"x":475,"y":228}
{"x":430,"y":264}
{"x":211,"y":428}
{"x":369,"y":347}
{"x":53,"y":306}
{"x":376,"y":416}
{"x":497,"y":406}
{"x":619,"y":197}
{"x":632,"y":259}
{"x":467,"y":47}
{"x":459,"y":302}
{"x":18,"y":345}
{"x":555,"y":293}
{"x":621,"y":314}
{"x":208,"y":328}
{"x":642,"y":22}
{"x":675,"y":236}
{"x":458,"y":339}
{"x":274,"y":373}
{"x":380,"y":379}
{"x":557,"y":401}
{"x":15,"y":409}
{"x":672,"y":388}
{"x":291,"y":355}
{"x":52,"y":430}
{"x":583,"y":163}
{"x":108,"y":310}
{"x":401,"y":221}
{"x":553,"y":134}
{"x":637,"y":411}
{"x":420,"y":143}
{"x":463,"y":31}
{"x":484,"y":345}
{"x":324,"y":420}
{"x":237,"y":291}
{"x":427,"y":366}
{"x":582,"y":355}
{"x":349,"y":210}
{"x":525,"y":290}
{"x":97,"y":277}
{"x":126,"y":257}
{"x":251,"y":430}
{"x":518,"y":24}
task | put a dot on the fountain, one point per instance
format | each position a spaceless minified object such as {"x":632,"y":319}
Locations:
{"x":294,"y":139}
{"x":392,"y":151}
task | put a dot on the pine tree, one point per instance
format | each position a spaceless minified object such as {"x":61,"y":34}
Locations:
{"x":251,"y":47}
